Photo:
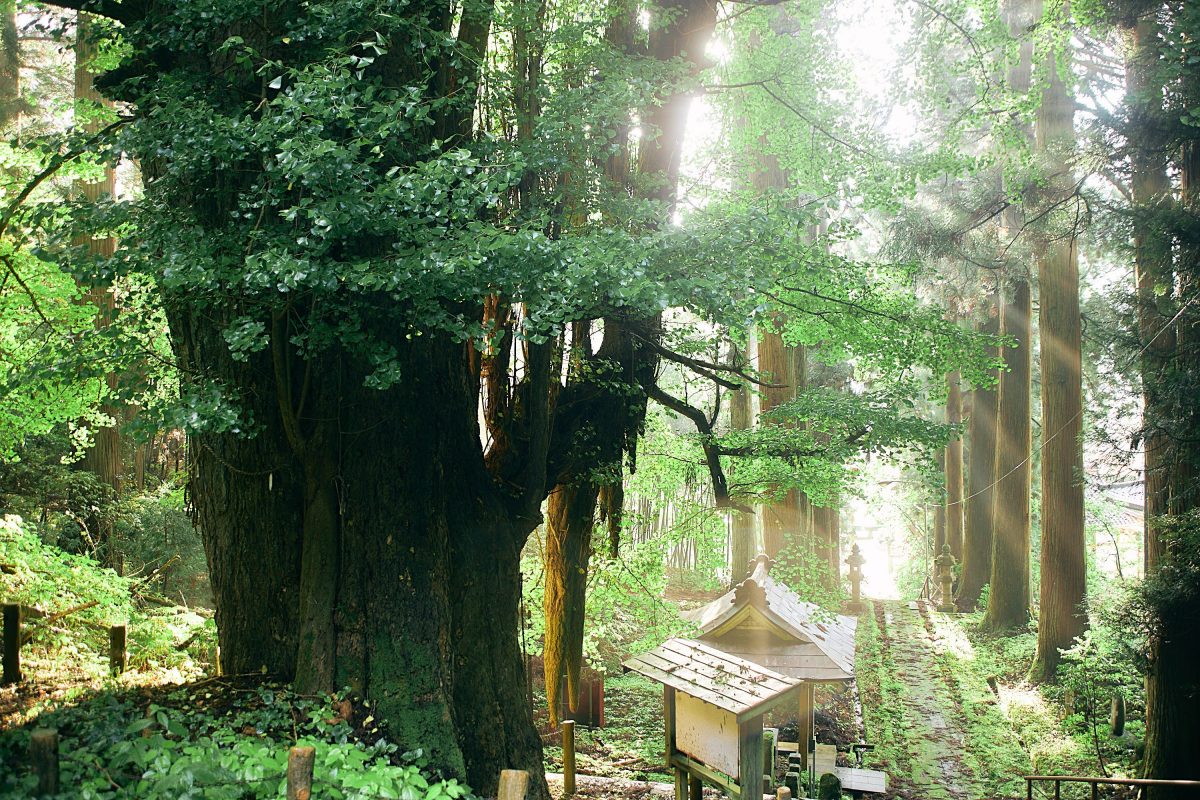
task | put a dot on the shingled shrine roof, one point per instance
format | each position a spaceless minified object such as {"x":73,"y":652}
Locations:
{"x":732,"y":684}
{"x":763,"y":621}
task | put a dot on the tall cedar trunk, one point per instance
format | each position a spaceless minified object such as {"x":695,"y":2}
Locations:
{"x":1151,"y":187}
{"x":781,"y":519}
{"x":1063,"y":577}
{"x":939,"y":517}
{"x":954,"y":469}
{"x":103,"y":458}
{"x":1170,"y":347}
{"x":981,"y":477}
{"x":743,"y":545}
{"x":1008,"y":597}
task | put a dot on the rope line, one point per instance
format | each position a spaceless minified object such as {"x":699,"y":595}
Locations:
{"x":1077,"y":414}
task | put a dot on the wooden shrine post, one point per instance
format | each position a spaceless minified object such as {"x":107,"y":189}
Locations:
{"x":804,"y":734}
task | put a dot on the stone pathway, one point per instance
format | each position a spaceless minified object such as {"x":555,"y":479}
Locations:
{"x":921,"y":712}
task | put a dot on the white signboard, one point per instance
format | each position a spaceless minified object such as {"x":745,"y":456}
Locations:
{"x":706,"y":733}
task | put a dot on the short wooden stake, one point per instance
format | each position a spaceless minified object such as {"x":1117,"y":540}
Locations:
{"x":568,"y":748}
{"x":43,"y":753}
{"x":783,"y":793}
{"x":12,"y":644}
{"x":300,"y":772}
{"x":1116,"y":716}
{"x":116,"y":649}
{"x":513,"y":783}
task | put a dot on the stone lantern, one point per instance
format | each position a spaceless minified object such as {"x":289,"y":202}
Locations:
{"x":945,"y":564}
{"x":855,"y":561}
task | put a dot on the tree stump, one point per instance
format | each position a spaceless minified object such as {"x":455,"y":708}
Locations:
{"x":43,"y":754}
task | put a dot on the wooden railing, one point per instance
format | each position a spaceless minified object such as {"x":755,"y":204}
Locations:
{"x":1096,"y":783}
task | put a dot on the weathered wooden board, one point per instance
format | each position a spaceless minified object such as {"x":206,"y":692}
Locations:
{"x":706,"y":733}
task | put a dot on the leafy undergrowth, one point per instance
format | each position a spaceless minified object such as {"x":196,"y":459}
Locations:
{"x":69,"y":603}
{"x":1048,"y":720}
{"x":219,"y":739}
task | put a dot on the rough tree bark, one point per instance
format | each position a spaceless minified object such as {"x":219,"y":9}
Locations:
{"x":1008,"y":597}
{"x":954,"y":469}
{"x":981,"y":477}
{"x":1169,"y":356}
{"x":781,"y":520}
{"x":1063,"y":576}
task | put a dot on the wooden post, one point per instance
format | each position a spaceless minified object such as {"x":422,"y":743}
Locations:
{"x":43,"y":753}
{"x":513,"y":783}
{"x":568,"y":748}
{"x":116,"y":649}
{"x":12,"y":644}
{"x":300,"y":772}
{"x":750,"y":759}
{"x":681,"y":784}
{"x":804,"y":738}
{"x":695,"y":787}
{"x":783,"y":793}
{"x":669,"y":721}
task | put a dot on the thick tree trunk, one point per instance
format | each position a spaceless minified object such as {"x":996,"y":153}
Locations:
{"x":954,"y":469}
{"x":437,"y":650}
{"x":1063,"y":578}
{"x":1154,"y":274}
{"x":1169,"y":374}
{"x":981,"y":477}
{"x":1008,"y":598}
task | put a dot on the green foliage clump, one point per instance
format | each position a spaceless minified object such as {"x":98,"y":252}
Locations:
{"x":221,"y":741}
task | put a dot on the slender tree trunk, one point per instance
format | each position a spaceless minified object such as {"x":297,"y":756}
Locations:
{"x":682,"y":30}
{"x":11,"y":104}
{"x":954,"y":469}
{"x":1063,"y":578}
{"x":981,"y":477}
{"x":1008,"y":598}
{"x":744,"y":539}
{"x":103,"y":458}
{"x":939,"y":517}
{"x":781,"y":519}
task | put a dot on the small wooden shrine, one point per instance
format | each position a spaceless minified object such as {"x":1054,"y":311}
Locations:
{"x":714,"y":703}
{"x":762,"y":621}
